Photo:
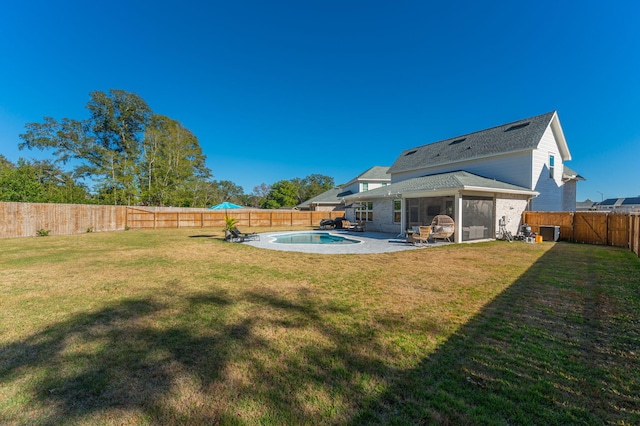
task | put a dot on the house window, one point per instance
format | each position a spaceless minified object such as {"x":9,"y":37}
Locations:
{"x":365,"y":212}
{"x":551,"y":165}
{"x":365,"y":186}
{"x":385,"y":183}
{"x":397,"y":211}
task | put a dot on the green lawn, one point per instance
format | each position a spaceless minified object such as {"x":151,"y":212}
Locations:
{"x":179,"y":327}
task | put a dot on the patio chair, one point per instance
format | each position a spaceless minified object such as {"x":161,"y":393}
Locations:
{"x":245,"y":236}
{"x":422,"y":236}
{"x":443,"y":227}
{"x":232,"y":236}
{"x":358,"y":226}
{"x":345,"y":224}
{"x":327,"y":223}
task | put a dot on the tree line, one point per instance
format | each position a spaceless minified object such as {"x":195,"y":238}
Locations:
{"x":132,"y":156}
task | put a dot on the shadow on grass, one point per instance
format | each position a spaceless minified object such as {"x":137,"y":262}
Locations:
{"x":559,"y":346}
{"x":556,"y":347}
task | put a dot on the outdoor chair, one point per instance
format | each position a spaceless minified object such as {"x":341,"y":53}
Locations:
{"x":443,"y":227}
{"x":422,"y":236}
{"x":327,"y":223}
{"x":358,"y":226}
{"x":245,"y":236}
{"x":232,"y":236}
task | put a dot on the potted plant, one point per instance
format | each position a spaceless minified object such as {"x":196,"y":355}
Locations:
{"x":229,"y":224}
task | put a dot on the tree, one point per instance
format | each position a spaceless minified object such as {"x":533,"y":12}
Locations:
{"x":173,"y":170}
{"x":229,"y":191}
{"x":107,"y":144}
{"x":258,"y":195}
{"x":314,"y":185}
{"x":283,"y":193}
{"x":39,"y":182}
{"x":4,"y":162}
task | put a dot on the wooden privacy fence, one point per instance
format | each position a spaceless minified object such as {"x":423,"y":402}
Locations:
{"x":26,"y":219}
{"x":606,"y":228}
{"x":158,"y":217}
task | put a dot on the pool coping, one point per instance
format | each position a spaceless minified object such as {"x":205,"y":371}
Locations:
{"x":371,"y":243}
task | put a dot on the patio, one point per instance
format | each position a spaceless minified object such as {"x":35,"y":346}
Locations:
{"x":371,"y":242}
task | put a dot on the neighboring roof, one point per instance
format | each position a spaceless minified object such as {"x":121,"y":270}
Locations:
{"x":633,"y":200}
{"x":568,"y":174}
{"x":451,"y":181}
{"x":617,"y":202}
{"x":332,"y":196}
{"x":517,"y":136}
{"x":608,"y":202}
{"x":335,"y":196}
{"x":375,"y":173}
{"x":585,"y":205}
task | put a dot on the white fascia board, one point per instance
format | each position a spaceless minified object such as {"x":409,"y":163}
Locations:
{"x":502,"y":191}
{"x":440,"y":193}
{"x":556,"y":128}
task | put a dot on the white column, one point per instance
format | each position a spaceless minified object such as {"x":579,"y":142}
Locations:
{"x":458,"y":218}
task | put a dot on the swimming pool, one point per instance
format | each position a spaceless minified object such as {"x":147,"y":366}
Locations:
{"x":313,"y":238}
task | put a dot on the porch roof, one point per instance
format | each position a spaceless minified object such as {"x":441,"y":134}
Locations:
{"x":443,"y":182}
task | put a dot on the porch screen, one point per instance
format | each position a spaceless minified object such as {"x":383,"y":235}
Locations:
{"x":477,"y":218}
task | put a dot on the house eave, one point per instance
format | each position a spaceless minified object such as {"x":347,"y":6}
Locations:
{"x":556,"y":128}
{"x":502,"y":191}
{"x":442,"y":192}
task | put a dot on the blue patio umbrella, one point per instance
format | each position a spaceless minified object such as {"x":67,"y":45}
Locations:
{"x":224,"y":206}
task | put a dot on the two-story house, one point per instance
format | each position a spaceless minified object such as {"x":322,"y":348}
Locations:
{"x":478,"y":179}
{"x":334,"y":199}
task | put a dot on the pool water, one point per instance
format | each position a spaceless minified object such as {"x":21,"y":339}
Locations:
{"x":313,"y":238}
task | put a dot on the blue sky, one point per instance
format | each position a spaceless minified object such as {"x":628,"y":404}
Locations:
{"x":284,"y":89}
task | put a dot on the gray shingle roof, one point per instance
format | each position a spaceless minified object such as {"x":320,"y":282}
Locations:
{"x":443,"y":181}
{"x":512,"y":137}
{"x":375,"y":173}
{"x":568,"y":174}
{"x":331,"y":196}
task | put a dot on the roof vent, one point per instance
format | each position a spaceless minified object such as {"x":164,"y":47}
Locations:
{"x":457,"y":141}
{"x":410,"y":152}
{"x":518,"y":126}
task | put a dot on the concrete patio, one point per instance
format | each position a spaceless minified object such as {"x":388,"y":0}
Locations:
{"x":370,"y":242}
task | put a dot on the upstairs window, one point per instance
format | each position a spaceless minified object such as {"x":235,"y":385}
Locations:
{"x":365,"y":186}
{"x":552,"y":165}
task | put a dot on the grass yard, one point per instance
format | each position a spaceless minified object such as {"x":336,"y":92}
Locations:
{"x":179,"y":327}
